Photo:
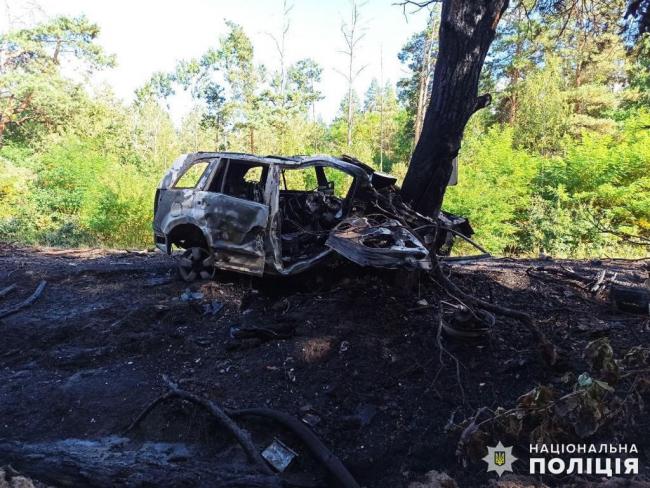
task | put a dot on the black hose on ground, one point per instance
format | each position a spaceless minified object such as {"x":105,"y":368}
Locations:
{"x":313,"y":443}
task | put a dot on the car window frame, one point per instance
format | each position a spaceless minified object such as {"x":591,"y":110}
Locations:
{"x":199,"y":182}
{"x":266,"y":169}
{"x":218,"y":163}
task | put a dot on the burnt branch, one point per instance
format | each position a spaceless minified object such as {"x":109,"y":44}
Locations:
{"x":26,"y":303}
{"x":5,"y":291}
{"x":241,"y":435}
{"x":332,"y":463}
{"x":483,"y":101}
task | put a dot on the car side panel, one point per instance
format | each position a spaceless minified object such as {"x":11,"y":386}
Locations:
{"x":174,"y":207}
{"x":235,"y":228}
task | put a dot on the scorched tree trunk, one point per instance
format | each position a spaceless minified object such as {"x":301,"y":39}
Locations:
{"x":467,"y":29}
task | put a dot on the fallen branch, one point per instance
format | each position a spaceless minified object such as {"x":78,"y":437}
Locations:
{"x":242,"y":436}
{"x":147,"y":410}
{"x":6,"y":291}
{"x":26,"y":303}
{"x":464,"y":259}
{"x":591,"y":284}
{"x":567,"y":273}
{"x":599,"y":281}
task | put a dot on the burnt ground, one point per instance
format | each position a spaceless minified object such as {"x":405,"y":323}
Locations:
{"x":355,"y":350}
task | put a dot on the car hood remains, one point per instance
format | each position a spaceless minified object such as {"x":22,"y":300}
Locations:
{"x":383,"y":243}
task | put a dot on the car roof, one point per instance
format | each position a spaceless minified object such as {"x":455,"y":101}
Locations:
{"x":288,"y":160}
{"x":283,"y":160}
{"x":345,"y":163}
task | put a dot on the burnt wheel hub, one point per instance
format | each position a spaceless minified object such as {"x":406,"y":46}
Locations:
{"x":195,"y":263}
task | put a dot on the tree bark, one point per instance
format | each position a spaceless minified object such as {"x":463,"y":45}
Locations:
{"x":467,"y":29}
{"x":425,"y":77}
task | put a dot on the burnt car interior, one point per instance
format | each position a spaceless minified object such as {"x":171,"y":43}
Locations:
{"x":311,"y":205}
{"x":240,"y":179}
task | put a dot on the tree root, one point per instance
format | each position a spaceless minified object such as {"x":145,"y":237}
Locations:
{"x":547,"y":348}
{"x":441,"y":361}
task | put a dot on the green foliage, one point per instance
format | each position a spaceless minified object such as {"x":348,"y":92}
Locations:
{"x":120,"y":210}
{"x":16,"y":208}
{"x":561,"y":227}
{"x":559,"y":164}
{"x":419,"y":56}
{"x":66,"y":175}
{"x":603,"y":182}
{"x":639,"y":73}
{"x":52,"y":42}
{"x":593,"y":199}
{"x":33,"y":93}
{"x":541,"y":121}
{"x":494,"y":190}
{"x":15,"y":183}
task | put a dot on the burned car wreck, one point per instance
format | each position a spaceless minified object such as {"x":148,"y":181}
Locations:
{"x":277,"y":215}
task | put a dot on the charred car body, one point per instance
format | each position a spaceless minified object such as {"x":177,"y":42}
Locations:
{"x":279,"y":215}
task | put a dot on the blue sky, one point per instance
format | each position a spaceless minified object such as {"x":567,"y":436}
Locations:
{"x":148,"y":36}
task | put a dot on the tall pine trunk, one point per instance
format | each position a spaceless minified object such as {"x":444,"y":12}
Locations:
{"x":425,"y":78}
{"x":350,"y":113}
{"x":467,"y":29}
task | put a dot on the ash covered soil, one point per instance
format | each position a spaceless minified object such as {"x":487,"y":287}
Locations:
{"x":351,"y":351}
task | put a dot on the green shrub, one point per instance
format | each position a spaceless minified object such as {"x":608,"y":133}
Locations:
{"x":120,"y":212}
{"x":494,"y":188}
{"x":603,"y":182}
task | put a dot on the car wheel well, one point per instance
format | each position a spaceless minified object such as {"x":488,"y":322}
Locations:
{"x":186,"y":236}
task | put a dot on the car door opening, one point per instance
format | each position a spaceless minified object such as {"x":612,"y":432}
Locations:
{"x":312,"y":201}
